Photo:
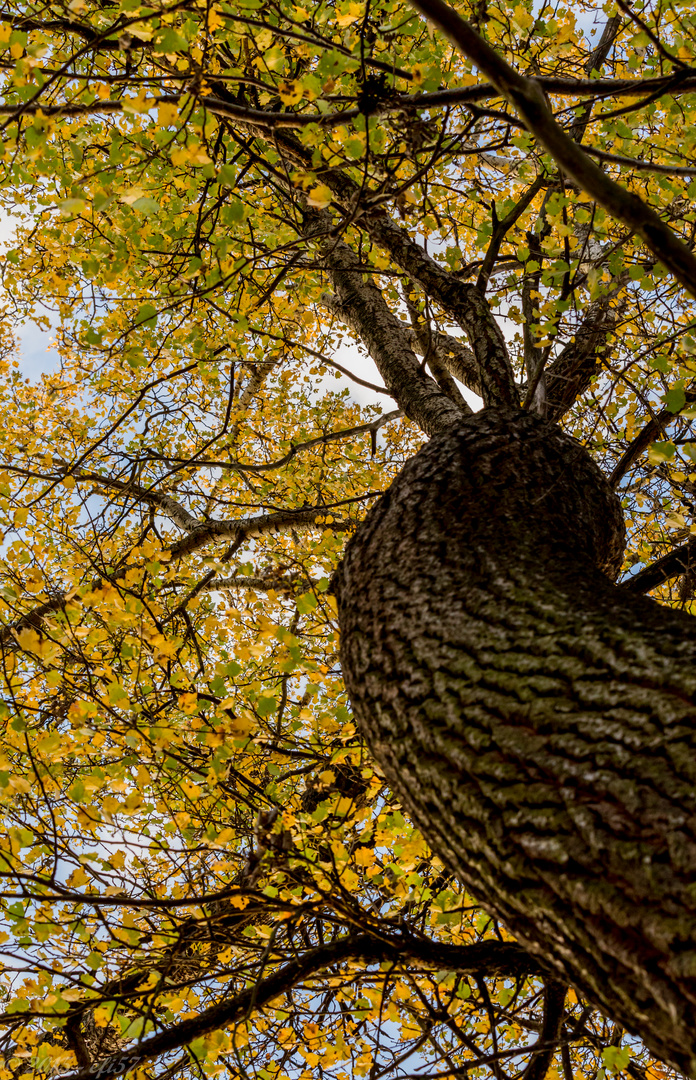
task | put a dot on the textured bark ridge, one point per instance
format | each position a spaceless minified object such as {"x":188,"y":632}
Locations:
{"x":536,"y":720}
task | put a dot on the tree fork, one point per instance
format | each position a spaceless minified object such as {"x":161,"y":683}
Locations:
{"x":536,"y":719}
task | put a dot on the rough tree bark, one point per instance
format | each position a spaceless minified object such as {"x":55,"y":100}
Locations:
{"x":536,"y":719}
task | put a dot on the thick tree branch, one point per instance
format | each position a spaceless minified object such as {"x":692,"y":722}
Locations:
{"x":569,"y":376}
{"x":285,"y":586}
{"x":489,"y":958}
{"x":425,"y":337}
{"x":202,"y":533}
{"x":454,"y":354}
{"x":527,"y":96}
{"x":551,"y":1029}
{"x":671,"y":565}
{"x":253,"y":528}
{"x":594,"y":63}
{"x":461,"y":300}
{"x":383,"y":334}
{"x":168,"y":505}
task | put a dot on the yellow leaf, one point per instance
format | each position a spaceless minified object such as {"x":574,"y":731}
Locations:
{"x":522,"y":17}
{"x":290,"y":92}
{"x":140,"y":104}
{"x":319,"y":196}
{"x":131,"y":195}
{"x":241,"y":725}
{"x":78,"y":878}
{"x":350,"y":13}
{"x":28,"y":640}
{"x":364,"y":856}
{"x":167,"y":112}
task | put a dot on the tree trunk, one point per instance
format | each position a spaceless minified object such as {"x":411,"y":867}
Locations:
{"x":536,"y":719}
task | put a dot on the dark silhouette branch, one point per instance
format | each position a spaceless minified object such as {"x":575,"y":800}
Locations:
{"x":551,"y":1031}
{"x":648,"y":433}
{"x":501,"y":230}
{"x":490,"y":959}
{"x":679,"y":561}
{"x":267,"y":119}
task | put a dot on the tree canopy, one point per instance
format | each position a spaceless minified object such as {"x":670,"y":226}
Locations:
{"x":223,"y":210}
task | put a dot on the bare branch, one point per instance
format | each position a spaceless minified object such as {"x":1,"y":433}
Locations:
{"x":321,"y":440}
{"x":502,"y":228}
{"x":640,"y":164}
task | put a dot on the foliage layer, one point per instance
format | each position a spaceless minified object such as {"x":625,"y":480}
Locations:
{"x":202,"y":869}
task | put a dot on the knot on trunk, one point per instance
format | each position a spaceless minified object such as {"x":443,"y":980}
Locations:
{"x":498,"y":488}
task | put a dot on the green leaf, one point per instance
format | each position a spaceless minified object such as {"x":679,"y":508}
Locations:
{"x":199,"y":1048}
{"x":147,"y":315}
{"x":72,"y":207}
{"x":266,"y":706}
{"x":117,"y":695}
{"x":19,"y":1005}
{"x":616,"y":1058}
{"x":661,"y":451}
{"x":235,"y":210}
{"x":675,"y":399}
{"x":146,"y":206}
{"x":306,"y":603}
{"x":227,"y":175}
{"x":170,"y":41}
